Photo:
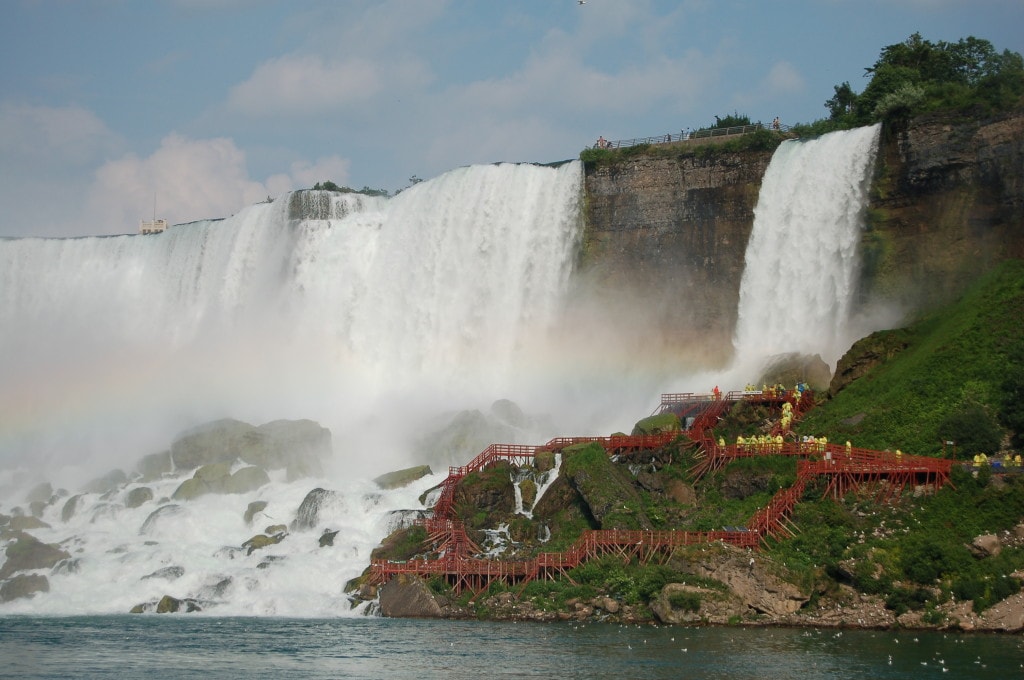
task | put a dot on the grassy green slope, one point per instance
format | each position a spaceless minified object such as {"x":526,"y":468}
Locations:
{"x":956,"y":360}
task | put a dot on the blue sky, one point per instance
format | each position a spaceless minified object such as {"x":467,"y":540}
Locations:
{"x":211,"y":105}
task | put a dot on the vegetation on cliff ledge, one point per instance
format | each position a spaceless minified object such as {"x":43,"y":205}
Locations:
{"x":923,"y":558}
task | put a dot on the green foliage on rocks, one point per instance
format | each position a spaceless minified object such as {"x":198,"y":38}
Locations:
{"x":955,"y":362}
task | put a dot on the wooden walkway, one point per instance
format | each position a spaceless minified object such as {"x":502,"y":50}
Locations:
{"x":844,"y":468}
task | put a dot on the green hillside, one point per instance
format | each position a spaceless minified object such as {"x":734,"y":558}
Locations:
{"x":955,"y":380}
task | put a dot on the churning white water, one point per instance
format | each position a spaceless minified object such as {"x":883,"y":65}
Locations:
{"x":802,"y":257}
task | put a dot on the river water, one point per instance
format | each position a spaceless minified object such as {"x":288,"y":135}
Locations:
{"x":207,"y":647}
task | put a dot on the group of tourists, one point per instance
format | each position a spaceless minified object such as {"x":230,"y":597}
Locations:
{"x":1004,"y":461}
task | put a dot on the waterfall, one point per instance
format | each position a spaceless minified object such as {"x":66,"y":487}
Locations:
{"x":333,"y":307}
{"x":364,"y":314}
{"x":801,"y":261}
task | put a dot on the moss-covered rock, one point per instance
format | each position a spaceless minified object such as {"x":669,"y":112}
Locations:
{"x":114,"y":479}
{"x":657,"y":424}
{"x":23,"y":585}
{"x":154,"y":466}
{"x":298,"y":446}
{"x":41,"y":492}
{"x":138,"y":496}
{"x":260,"y":541}
{"x":610,"y":498}
{"x":254,"y":507}
{"x":70,"y":507}
{"x":171,"y":605}
{"x":27,"y":523}
{"x":245,"y":480}
{"x":400,"y":478}
{"x":27,"y":552}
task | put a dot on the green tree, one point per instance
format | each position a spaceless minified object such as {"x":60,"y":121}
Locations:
{"x":843,"y":103}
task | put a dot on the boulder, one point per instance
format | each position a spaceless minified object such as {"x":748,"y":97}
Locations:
{"x":657,"y":424}
{"x":295,"y":445}
{"x":171,"y":573}
{"x":245,"y":480}
{"x":400,"y":478}
{"x":23,"y":585}
{"x":69,"y":509}
{"x":865,"y":355}
{"x":509,"y":412}
{"x":612,"y":500}
{"x":408,"y":597}
{"x":986,"y":545}
{"x":327,"y":538}
{"x":190,"y":489}
{"x":108,"y":482}
{"x":138,"y":496}
{"x":308,"y":515}
{"x":155,"y":517}
{"x":254,"y":507}
{"x":155,"y":466}
{"x":42,"y":492}
{"x":544,"y":461}
{"x":27,"y":552}
{"x":466,"y":434}
{"x":27,"y":523}
{"x":789,"y":369}
{"x":260,"y":541}
{"x":220,"y":441}
{"x":170,"y":605}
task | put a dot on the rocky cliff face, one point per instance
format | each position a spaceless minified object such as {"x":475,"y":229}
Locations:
{"x":665,"y":242}
{"x":666,"y":236}
{"x":947,"y":204}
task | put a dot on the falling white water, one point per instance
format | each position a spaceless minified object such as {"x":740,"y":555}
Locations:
{"x":802,"y":257}
{"x":370,"y":316}
{"x":431,"y":301}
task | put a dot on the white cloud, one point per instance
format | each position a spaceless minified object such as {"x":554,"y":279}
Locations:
{"x":306,"y":174}
{"x":42,"y":135}
{"x":190,"y":179}
{"x":304,"y":86}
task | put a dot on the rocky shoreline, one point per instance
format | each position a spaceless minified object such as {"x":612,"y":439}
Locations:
{"x":755,"y":598}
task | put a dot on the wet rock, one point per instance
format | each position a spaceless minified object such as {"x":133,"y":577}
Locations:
{"x":138,"y":496}
{"x":254,"y":507}
{"x":400,"y":478}
{"x":171,"y":573}
{"x":298,"y":446}
{"x":408,"y":597}
{"x":155,"y":466}
{"x":171,"y":605}
{"x":155,"y":517}
{"x":657,"y":424}
{"x":42,"y":492}
{"x":246,"y":479}
{"x":114,"y":479}
{"x":27,"y":523}
{"x":260,"y":541}
{"x":22,"y":586}
{"x":308,"y":515}
{"x":327,"y":538}
{"x":27,"y":552}
{"x":70,"y":507}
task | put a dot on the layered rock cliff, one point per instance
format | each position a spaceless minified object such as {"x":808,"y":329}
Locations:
{"x":666,"y":236}
{"x":665,"y":242}
{"x":947,"y":204}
